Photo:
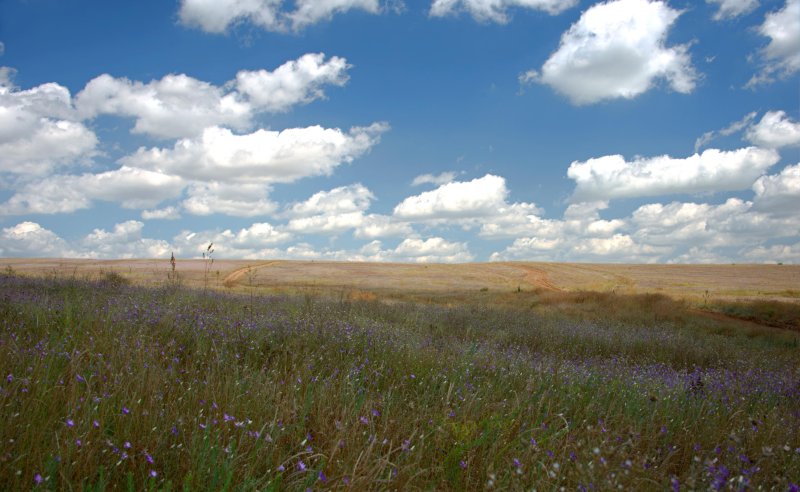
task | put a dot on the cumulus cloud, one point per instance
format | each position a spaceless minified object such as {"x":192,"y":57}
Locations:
{"x":217,"y":16}
{"x":262,"y":156}
{"x":124,"y":241}
{"x":342,"y":209}
{"x":178,"y":106}
{"x":728,"y":9}
{"x":775,"y":130}
{"x":344,"y":199}
{"x":438,"y":180}
{"x":712,"y":171}
{"x":462,"y":199}
{"x":617,"y":49}
{"x":130,"y":187}
{"x":778,"y":253}
{"x":167,"y":213}
{"x":294,"y":82}
{"x":29,"y":239}
{"x":238,"y":200}
{"x":781,"y":57}
{"x":779,"y":193}
{"x":39,"y":130}
{"x":496,"y":10}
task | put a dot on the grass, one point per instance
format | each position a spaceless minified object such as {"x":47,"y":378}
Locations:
{"x":108,"y":385}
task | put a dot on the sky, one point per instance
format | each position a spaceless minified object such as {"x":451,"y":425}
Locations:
{"x":628,"y":131}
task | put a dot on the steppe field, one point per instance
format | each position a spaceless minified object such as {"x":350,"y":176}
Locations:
{"x":306,"y":375}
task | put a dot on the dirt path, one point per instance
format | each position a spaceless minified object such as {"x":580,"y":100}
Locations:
{"x":539,"y":278}
{"x":233,"y":278}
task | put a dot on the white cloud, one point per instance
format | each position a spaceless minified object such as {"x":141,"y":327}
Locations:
{"x":294,"y":82}
{"x":125,"y":241}
{"x":461,"y":199}
{"x":239,"y":200}
{"x":309,"y":12}
{"x":38,"y":130}
{"x":775,"y":130}
{"x":734,"y":127}
{"x":262,"y":157}
{"x":29,"y":239}
{"x":783,"y":253}
{"x":342,"y":209}
{"x":617,"y":49}
{"x":375,"y":225}
{"x":174,"y":106}
{"x":326,"y":223}
{"x":181,"y":106}
{"x":217,"y":15}
{"x":168,"y":213}
{"x":130,"y":187}
{"x":712,"y":171}
{"x":254,"y":242}
{"x":496,"y":10}
{"x":438,"y":180}
{"x":728,"y":9}
{"x":779,"y":194}
{"x":344,"y":199}
{"x":781,"y":57}
{"x":434,"y":249}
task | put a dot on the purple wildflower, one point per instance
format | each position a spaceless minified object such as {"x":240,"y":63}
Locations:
{"x":95,"y":424}
{"x":125,"y":411}
{"x":127,"y":445}
{"x":10,"y":378}
{"x":363,"y":420}
{"x":153,"y":473}
{"x":321,"y":477}
{"x":38,"y":477}
{"x":149,"y":458}
{"x":462,"y":464}
{"x":301,"y":466}
{"x":70,"y":423}
{"x":281,"y":468}
{"x":375,"y":413}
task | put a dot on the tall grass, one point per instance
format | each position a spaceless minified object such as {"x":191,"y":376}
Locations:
{"x":109,"y":386}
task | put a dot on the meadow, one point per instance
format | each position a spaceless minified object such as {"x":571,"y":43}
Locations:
{"x":112,"y":382}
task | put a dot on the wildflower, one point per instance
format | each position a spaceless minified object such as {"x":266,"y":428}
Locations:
{"x":676,"y":485}
{"x":406,"y":445}
{"x":78,"y":442}
{"x":227,"y":418}
{"x":149,"y":458}
{"x":80,"y":378}
{"x":174,"y":431}
{"x":70,"y":423}
{"x":153,"y":473}
{"x":363,"y":420}
{"x":462,"y":464}
{"x":321,"y":477}
{"x":281,"y":468}
{"x":38,"y":477}
{"x":125,"y":411}
{"x":346,"y":480}
{"x":376,"y":413}
{"x":127,"y":445}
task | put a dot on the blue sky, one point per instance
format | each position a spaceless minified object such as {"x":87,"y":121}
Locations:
{"x":438,"y":130}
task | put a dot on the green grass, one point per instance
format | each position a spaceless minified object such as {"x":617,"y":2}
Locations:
{"x":226,"y":392}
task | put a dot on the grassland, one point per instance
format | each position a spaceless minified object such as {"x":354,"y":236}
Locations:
{"x":493,"y":377}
